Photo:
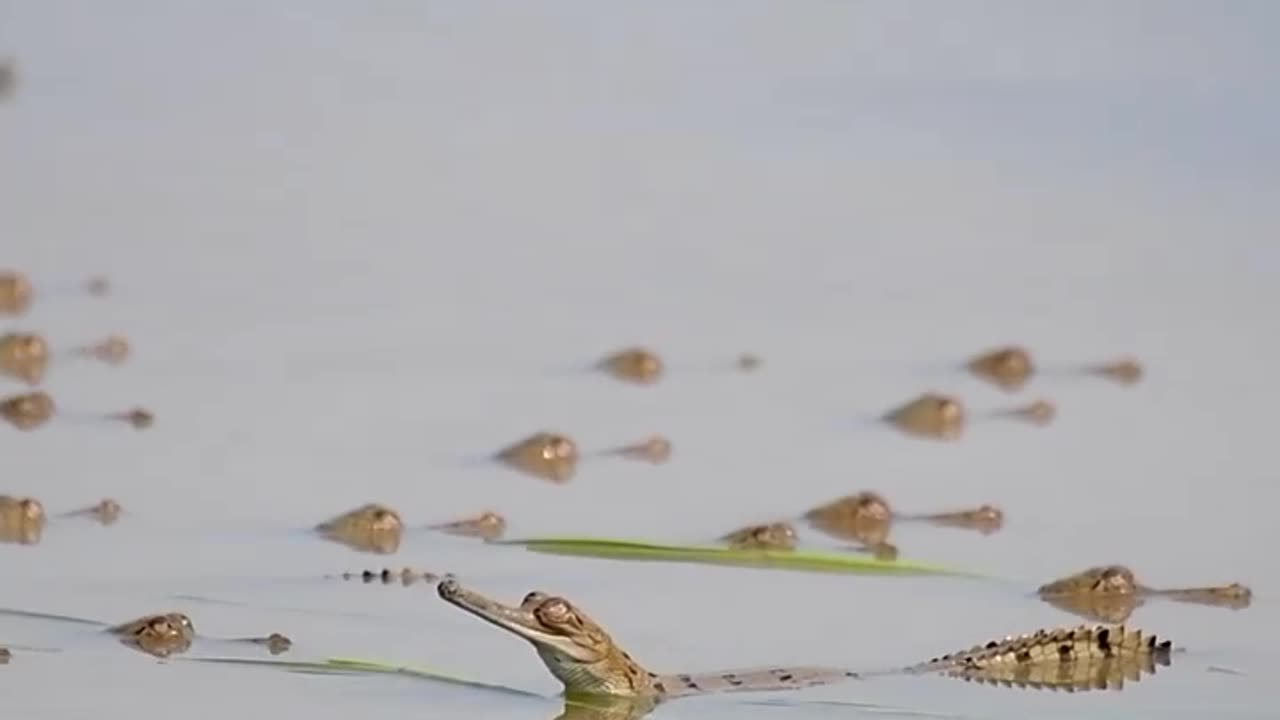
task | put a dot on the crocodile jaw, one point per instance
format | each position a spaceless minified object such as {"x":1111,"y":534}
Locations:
{"x":512,"y":619}
{"x":597,"y":667}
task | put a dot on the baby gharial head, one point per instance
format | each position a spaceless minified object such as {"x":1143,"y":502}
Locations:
{"x":1102,"y":580}
{"x":568,"y":631}
{"x":572,"y":645}
{"x":771,"y":536}
{"x":24,"y":356}
{"x":371,"y":528}
{"x":158,"y":635}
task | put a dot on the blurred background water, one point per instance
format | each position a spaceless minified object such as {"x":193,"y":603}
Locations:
{"x":358,"y":245}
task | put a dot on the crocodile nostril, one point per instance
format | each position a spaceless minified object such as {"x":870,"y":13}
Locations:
{"x":448,"y":587}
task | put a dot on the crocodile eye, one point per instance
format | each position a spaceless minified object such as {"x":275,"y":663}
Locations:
{"x":555,"y":609}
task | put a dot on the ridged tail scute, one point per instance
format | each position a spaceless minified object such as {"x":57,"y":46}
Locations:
{"x":1073,"y":659}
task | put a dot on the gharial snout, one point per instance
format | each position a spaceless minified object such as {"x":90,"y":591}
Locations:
{"x":448,"y":588}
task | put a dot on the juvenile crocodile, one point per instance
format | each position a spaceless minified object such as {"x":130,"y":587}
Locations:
{"x":1111,"y":593}
{"x":160,"y":634}
{"x":21,"y":520}
{"x":105,"y":511}
{"x":370,"y":528}
{"x":554,"y":457}
{"x":488,"y":525}
{"x":1011,"y":367}
{"x":654,"y":449}
{"x":112,"y":350}
{"x":769,"y":536}
{"x":943,"y":417}
{"x":15,"y":289}
{"x":545,"y":455}
{"x":24,"y":356}
{"x":28,"y":411}
{"x":781,"y":536}
{"x":587,"y":661}
{"x":867,"y":518}
{"x":635,"y":365}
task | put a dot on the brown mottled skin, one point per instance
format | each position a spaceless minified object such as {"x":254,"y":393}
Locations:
{"x":864,"y":517}
{"x":583,"y":656}
{"x":1112,"y":592}
{"x":21,"y":520}
{"x":488,"y":525}
{"x":636,"y":365}
{"x":1008,"y":367}
{"x":27,"y":411}
{"x":158,"y":635}
{"x":545,"y":455}
{"x":771,"y":536}
{"x":24,"y":356}
{"x":931,"y":415}
{"x":369,"y":528}
{"x":15,"y":290}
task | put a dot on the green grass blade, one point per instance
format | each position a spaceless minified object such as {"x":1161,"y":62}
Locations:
{"x":350,"y":666}
{"x":800,"y":560}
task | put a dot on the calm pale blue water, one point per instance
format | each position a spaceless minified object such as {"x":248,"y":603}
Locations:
{"x":357,"y":245}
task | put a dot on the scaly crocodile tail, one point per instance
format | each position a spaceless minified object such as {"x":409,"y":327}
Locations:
{"x":1079,"y":658}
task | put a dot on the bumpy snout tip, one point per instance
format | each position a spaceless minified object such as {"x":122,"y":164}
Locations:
{"x":448,"y":588}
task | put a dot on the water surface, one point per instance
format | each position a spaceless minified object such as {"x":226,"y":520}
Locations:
{"x":356,"y":246}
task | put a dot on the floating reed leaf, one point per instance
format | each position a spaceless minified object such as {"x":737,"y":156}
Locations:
{"x":800,"y":559}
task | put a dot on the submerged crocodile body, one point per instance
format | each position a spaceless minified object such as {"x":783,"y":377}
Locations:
{"x":583,"y":656}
